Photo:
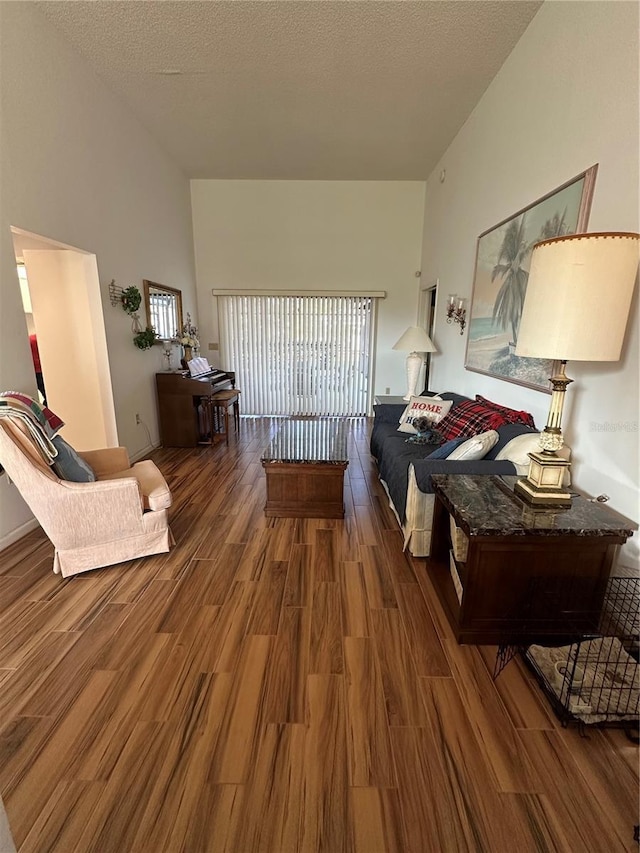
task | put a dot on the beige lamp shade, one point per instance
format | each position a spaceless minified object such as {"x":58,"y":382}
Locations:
{"x":578,"y":297}
{"x":415,"y":339}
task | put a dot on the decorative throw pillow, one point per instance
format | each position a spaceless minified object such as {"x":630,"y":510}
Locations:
{"x":428,"y":407}
{"x":475,"y":448}
{"x":407,"y":408}
{"x":513,"y":416}
{"x":470,"y":418}
{"x":445,"y":449}
{"x":518,"y":449}
{"x":68,"y":465}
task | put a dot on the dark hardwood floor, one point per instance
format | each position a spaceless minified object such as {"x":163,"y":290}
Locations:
{"x":279,"y":685}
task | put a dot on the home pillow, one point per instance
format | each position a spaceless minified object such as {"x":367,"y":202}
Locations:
{"x":513,"y":416}
{"x":407,"y":408}
{"x":432,"y":408}
{"x":68,"y":465}
{"x":475,"y":448}
{"x":470,"y":418}
{"x":445,"y":449}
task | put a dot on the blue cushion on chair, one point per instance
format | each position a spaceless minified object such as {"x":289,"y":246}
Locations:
{"x":68,"y":465}
{"x":445,"y":449}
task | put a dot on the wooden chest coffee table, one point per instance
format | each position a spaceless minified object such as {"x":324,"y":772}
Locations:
{"x":304,"y":465}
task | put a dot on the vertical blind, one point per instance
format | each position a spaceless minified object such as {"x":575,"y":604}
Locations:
{"x":299,"y":355}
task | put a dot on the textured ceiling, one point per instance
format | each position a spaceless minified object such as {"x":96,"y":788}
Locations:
{"x":298,"y":90}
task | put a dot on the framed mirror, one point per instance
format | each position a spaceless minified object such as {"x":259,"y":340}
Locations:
{"x":164,"y":309}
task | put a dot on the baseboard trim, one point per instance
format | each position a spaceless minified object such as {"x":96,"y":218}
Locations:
{"x":18,"y":533}
{"x":142,"y":454}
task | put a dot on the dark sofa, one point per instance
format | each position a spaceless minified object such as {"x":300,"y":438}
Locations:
{"x":405,"y":469}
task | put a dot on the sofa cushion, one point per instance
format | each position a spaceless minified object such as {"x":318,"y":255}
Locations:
{"x":470,"y":418}
{"x":68,"y":465}
{"x":513,"y":416}
{"x":432,"y":408}
{"x":476,"y":447}
{"x":389,"y":413}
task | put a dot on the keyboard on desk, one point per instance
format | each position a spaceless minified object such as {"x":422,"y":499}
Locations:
{"x":208,"y":374}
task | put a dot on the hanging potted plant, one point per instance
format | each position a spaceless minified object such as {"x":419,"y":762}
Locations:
{"x":145,"y":339}
{"x":131,"y":299}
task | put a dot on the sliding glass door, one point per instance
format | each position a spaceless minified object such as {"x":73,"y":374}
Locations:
{"x":299,"y":355}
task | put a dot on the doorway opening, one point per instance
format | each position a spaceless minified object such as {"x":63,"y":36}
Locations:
{"x":33,"y":340}
{"x":63,"y":312}
{"x":427,"y":299}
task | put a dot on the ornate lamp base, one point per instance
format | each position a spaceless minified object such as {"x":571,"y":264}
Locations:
{"x":543,"y":484}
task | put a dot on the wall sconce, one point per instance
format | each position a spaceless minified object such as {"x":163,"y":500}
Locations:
{"x":115,"y":293}
{"x":456,"y":311}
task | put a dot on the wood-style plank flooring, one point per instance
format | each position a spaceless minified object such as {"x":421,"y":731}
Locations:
{"x":279,"y":685}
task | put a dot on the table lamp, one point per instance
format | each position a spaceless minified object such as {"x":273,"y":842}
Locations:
{"x":414,"y":341}
{"x":576,"y":308}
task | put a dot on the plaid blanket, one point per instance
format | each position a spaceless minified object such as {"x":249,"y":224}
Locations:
{"x":470,"y":418}
{"x":42,"y":423}
{"x":43,"y":416}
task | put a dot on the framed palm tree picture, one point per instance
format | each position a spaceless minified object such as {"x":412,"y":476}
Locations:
{"x":500,"y":281}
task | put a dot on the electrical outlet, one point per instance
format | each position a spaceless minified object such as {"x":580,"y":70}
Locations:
{"x":387,"y":390}
{"x":138,"y":421}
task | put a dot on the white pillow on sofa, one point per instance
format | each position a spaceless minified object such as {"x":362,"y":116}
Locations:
{"x":476,"y":447}
{"x":518,"y":449}
{"x":434,"y":408}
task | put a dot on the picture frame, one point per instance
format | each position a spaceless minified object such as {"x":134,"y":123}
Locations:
{"x":501,"y":270}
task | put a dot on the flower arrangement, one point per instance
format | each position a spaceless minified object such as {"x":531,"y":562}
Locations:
{"x":188,"y":336}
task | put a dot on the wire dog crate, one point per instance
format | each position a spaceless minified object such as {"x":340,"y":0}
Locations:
{"x":593,"y":677}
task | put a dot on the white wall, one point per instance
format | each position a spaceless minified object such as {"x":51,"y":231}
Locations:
{"x":77,"y":167}
{"x":566,"y":98}
{"x":305,"y":235}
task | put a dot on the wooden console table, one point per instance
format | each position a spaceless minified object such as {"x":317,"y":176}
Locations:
{"x":304,"y":466}
{"x":514,"y":553}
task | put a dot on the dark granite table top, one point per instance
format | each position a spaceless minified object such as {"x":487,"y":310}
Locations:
{"x":299,"y":440}
{"x":488,"y":506}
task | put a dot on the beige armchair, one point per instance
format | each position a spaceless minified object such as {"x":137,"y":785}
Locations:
{"x":121,"y":516}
